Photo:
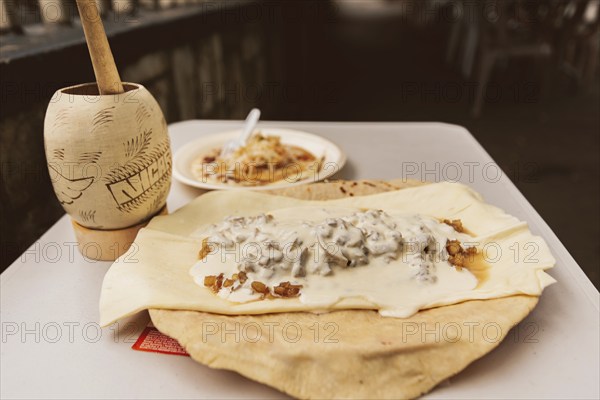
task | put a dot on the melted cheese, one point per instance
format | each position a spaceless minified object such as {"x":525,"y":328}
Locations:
{"x":398,"y":262}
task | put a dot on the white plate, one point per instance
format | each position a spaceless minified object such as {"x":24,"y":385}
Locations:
{"x":333,"y":158}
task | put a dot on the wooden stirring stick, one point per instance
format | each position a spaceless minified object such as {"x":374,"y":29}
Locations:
{"x":107,"y":75}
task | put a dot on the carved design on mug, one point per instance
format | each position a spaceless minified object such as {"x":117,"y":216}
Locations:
{"x":62,"y":118}
{"x":88,"y":216}
{"x":101,"y":118}
{"x":159,"y":201}
{"x":144,"y":174}
{"x":138,"y":144}
{"x":141,"y":114}
{"x":59,"y":154}
{"x":68,"y":190}
{"x":89,"y":157}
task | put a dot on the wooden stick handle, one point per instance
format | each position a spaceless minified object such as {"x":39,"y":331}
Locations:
{"x":103,"y":62}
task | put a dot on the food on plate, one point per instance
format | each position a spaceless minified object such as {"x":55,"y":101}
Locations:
{"x":262,"y":161}
{"x":362,"y":350}
{"x":416,"y":265}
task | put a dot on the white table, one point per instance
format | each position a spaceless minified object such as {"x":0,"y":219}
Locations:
{"x":52,"y":346}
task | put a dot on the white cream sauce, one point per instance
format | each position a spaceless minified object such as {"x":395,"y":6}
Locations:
{"x":395,"y":261}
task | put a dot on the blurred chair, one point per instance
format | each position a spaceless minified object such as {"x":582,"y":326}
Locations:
{"x":578,"y":41}
{"x":494,"y":30}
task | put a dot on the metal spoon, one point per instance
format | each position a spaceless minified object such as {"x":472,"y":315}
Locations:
{"x":249,"y":125}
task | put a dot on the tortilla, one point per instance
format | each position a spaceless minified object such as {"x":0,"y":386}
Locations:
{"x":351,"y":353}
{"x":155,"y":272}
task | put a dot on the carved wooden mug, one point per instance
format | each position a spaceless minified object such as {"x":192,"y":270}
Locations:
{"x":109,"y":156}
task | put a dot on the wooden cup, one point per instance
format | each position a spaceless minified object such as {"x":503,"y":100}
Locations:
{"x":109,"y":159}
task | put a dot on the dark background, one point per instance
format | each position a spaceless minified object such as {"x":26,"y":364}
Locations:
{"x":336,"y":61}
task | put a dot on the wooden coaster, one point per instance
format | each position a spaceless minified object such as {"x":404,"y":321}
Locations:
{"x":107,"y":245}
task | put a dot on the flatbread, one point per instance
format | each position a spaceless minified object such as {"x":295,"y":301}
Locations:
{"x":155,"y":272}
{"x":347,"y":354}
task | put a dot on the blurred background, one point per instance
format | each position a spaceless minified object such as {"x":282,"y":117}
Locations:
{"x":521,"y":76}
